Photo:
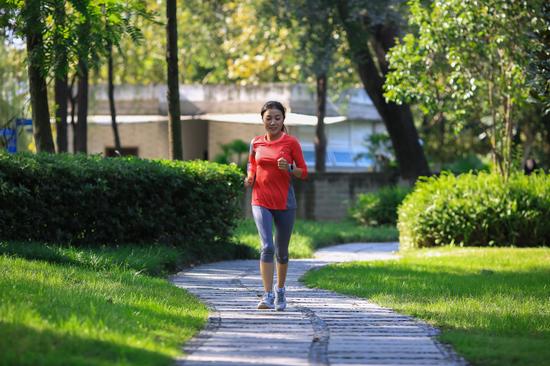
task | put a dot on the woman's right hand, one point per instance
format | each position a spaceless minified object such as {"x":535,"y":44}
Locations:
{"x":248,"y":181}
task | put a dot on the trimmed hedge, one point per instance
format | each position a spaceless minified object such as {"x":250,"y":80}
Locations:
{"x":477,"y":210}
{"x":82,"y":199}
{"x":379,"y":207}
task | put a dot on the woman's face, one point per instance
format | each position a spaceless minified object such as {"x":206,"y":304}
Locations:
{"x":273,"y":121}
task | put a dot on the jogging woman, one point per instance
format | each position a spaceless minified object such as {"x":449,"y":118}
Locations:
{"x":274,"y":159}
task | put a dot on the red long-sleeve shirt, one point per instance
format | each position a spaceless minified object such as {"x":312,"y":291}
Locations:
{"x":272,"y":186}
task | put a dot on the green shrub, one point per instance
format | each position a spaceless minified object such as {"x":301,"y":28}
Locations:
{"x":380,"y":207}
{"x":93,"y":200}
{"x":477,"y":210}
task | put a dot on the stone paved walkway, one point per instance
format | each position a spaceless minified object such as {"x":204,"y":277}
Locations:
{"x":318,"y":328}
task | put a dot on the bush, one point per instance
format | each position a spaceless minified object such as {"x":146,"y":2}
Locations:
{"x":380,"y":207}
{"x":80,"y":199}
{"x":477,"y":210}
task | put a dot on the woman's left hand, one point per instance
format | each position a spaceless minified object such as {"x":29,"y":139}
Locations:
{"x":282,"y":164}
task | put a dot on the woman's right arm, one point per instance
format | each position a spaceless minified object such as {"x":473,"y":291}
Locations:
{"x":251,"y":166}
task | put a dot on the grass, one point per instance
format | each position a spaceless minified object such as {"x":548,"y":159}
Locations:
{"x":309,"y":236}
{"x":85,"y":306}
{"x":492,"y":304}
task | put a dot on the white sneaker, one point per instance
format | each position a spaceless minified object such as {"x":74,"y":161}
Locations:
{"x":267,"y":301}
{"x":280,"y":299}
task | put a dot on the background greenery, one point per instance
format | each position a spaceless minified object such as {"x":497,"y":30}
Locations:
{"x":379,"y":207}
{"x":491,"y":303}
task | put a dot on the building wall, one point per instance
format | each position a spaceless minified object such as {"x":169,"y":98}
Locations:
{"x":225,"y":132}
{"x":194,"y":138}
{"x":329,"y":196}
{"x":150,"y":138}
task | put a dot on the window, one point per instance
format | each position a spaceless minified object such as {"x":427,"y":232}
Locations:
{"x":340,"y":158}
{"x":364,"y":162}
{"x":309,"y":157}
{"x":343,"y":158}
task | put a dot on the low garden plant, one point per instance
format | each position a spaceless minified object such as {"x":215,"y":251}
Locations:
{"x":477,"y":210}
{"x":80,"y":199}
{"x":490,"y":303}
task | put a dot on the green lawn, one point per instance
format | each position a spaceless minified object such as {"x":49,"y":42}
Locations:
{"x":92,"y":306}
{"x":492,"y":304}
{"x":309,"y":236}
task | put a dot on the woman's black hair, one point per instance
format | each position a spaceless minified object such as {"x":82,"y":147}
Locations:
{"x":273,"y":104}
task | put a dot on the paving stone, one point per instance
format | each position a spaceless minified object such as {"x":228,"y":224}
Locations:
{"x":319,"y":327}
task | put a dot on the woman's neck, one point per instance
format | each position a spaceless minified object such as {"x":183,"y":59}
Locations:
{"x":270,"y":137}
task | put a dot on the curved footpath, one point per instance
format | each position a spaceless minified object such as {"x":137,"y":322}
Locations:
{"x":318,"y":327}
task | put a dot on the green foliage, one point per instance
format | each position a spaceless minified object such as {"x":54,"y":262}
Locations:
{"x":539,"y":67}
{"x":477,"y":210}
{"x":95,"y":200}
{"x":468,"y":61}
{"x":379,"y":207}
{"x":233,"y":152}
{"x":491,"y":304}
{"x":465,"y":164}
{"x":12,"y":78}
{"x":380,"y":150}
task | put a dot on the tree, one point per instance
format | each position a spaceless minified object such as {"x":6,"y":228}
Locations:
{"x":174,"y":114}
{"x":362,"y":28}
{"x":468,"y":61}
{"x":315,"y":24}
{"x":100,"y":28}
{"x":61,"y":44}
{"x":13,"y":78}
{"x":34,"y":27}
{"x":120,"y":20}
{"x":84,"y":49}
{"x":539,"y":66}
{"x":26,"y":19}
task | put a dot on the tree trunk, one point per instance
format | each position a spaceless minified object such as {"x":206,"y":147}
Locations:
{"x":37,"y":82}
{"x":61,"y":80}
{"x":320,"y":137}
{"x":112,"y":100}
{"x":174,"y":114}
{"x":81,"y":132}
{"x":397,"y":118}
{"x":73,"y":101}
{"x":61,"y":103}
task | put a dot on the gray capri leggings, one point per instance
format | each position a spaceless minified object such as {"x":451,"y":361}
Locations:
{"x":284,"y":222}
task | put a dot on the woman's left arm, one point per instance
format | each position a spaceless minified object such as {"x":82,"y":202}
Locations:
{"x":300,"y":168}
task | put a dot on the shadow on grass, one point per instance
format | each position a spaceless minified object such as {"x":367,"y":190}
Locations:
{"x":23,"y":345}
{"x":154,"y":260}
